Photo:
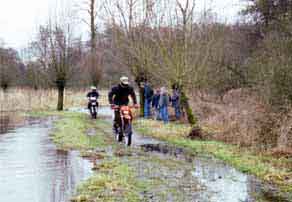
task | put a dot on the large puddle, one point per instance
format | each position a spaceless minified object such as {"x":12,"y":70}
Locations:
{"x":217,"y":181}
{"x":31,"y":167}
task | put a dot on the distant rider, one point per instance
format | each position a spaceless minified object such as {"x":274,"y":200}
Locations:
{"x":119,"y":96}
{"x":92,"y":93}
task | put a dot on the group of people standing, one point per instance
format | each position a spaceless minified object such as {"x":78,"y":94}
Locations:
{"x":156,"y":104}
{"x":160,"y":100}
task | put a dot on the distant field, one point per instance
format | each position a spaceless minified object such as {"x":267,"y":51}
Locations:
{"x":24,"y":99}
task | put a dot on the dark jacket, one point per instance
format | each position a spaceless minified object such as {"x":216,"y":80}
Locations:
{"x":148,"y":92}
{"x":119,"y":95}
{"x":175,"y":99}
{"x":93,"y":94}
{"x":155,"y":101}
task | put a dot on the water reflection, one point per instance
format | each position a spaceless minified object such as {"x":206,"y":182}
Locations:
{"x":33,"y":170}
{"x":223,"y":182}
{"x":103,"y":112}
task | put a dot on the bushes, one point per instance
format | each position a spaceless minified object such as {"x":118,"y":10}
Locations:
{"x":241,"y":118}
{"x":270,"y":70}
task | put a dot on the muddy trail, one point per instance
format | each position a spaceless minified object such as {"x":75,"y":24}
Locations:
{"x":174,"y":174}
{"x":32,"y":169}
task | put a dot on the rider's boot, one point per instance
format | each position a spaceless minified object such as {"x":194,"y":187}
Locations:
{"x":115,"y":129}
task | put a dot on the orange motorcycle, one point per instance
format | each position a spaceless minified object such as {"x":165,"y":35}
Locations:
{"x":123,"y":124}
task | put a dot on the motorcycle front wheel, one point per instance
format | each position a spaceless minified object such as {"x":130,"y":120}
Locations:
{"x":119,"y":135}
{"x":93,"y":112}
{"x":128,"y":133}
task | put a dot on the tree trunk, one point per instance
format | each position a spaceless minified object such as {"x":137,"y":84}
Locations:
{"x":4,"y":87}
{"x":140,"y":79}
{"x":186,"y":105}
{"x":142,"y":99}
{"x":60,"y":106}
{"x":92,"y":26}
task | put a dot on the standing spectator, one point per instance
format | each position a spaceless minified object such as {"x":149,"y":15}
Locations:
{"x":148,"y":94}
{"x":163,"y":105}
{"x":155,"y":104}
{"x":175,"y":101}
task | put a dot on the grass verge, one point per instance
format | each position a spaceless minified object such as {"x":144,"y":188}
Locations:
{"x":270,"y":169}
{"x":73,"y":130}
{"x":114,"y":181}
{"x":77,"y":131}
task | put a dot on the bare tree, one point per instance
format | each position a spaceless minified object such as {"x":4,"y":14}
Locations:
{"x":129,"y":25}
{"x":94,"y":59}
{"x":175,"y":60}
{"x":9,"y":67}
{"x":58,"y":51}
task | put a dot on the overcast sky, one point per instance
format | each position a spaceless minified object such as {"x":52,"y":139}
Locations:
{"x":19,"y":19}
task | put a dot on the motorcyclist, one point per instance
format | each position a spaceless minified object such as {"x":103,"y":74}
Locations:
{"x":119,"y":96}
{"x":93,"y":93}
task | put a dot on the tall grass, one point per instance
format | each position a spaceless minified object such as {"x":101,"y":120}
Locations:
{"x":26,"y":99}
{"x":241,"y":117}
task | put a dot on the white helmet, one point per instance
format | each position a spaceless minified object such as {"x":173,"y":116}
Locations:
{"x":93,"y":88}
{"x":124,"y":80}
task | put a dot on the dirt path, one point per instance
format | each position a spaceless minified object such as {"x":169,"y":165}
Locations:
{"x":174,"y":175}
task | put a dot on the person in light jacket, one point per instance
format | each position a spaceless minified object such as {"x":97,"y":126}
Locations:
{"x":163,"y":104}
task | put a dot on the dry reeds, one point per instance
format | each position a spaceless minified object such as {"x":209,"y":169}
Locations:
{"x":240,"y":118}
{"x":26,"y":99}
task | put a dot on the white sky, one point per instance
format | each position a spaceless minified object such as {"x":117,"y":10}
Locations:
{"x":19,"y":19}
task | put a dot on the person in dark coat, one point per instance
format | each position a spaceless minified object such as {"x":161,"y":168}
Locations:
{"x":175,"y":103}
{"x":119,"y":96}
{"x":148,"y":94}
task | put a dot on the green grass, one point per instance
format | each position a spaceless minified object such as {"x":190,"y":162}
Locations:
{"x":72,"y":132}
{"x":263,"y":166}
{"x":114,"y":181}
{"x":43,"y":113}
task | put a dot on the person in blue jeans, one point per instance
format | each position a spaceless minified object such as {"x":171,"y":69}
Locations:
{"x":175,"y":103}
{"x":163,"y":105}
{"x":155,"y":104}
{"x":148,"y":94}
